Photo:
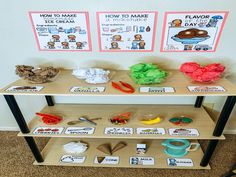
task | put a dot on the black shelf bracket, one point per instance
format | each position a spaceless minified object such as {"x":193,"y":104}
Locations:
{"x":220,"y":125}
{"x":11,"y":101}
{"x":199,"y":101}
{"x":49,"y":100}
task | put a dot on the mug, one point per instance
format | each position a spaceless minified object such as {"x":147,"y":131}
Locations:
{"x":179,"y":147}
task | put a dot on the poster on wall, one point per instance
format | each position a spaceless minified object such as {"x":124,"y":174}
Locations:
{"x":126,"y":31}
{"x":192,"y":31}
{"x":61,"y":31}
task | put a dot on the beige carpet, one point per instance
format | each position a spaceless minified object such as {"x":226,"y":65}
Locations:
{"x":16,"y":161}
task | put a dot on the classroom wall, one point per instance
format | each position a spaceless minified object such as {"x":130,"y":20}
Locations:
{"x":18,"y":46}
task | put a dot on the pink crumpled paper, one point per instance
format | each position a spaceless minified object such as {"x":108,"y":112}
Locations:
{"x":208,"y":73}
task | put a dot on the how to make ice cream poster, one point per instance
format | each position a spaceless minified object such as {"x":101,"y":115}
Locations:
{"x":61,"y":31}
{"x":192,"y":31}
{"x":126,"y":31}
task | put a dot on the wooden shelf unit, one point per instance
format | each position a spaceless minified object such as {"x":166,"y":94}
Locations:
{"x":53,"y":152}
{"x":65,"y":81}
{"x":70,"y":112}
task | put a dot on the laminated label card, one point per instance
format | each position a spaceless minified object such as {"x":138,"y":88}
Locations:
{"x":141,"y":161}
{"x":109,"y":160}
{"x":79,"y":130}
{"x":150,"y":131}
{"x":61,"y":31}
{"x":206,"y":89}
{"x":156,"y":89}
{"x":177,"y":162}
{"x":183,"y":132}
{"x":192,"y":31}
{"x":72,"y":159}
{"x":87,"y":89}
{"x":48,"y":130}
{"x":126,"y":31}
{"x":24,"y":89}
{"x":118,"y":131}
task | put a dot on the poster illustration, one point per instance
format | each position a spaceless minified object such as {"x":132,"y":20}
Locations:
{"x":61,"y":31}
{"x":192,"y":31}
{"x":126,"y":31}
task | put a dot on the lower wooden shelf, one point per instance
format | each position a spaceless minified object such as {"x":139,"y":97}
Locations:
{"x":53,"y":152}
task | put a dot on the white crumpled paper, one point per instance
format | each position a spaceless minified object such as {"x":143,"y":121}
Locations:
{"x":92,"y":75}
{"x":75,"y":147}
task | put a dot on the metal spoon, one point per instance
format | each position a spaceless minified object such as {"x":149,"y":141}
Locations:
{"x":83,"y":119}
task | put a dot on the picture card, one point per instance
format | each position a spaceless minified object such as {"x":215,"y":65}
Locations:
{"x":183,"y":132}
{"x":48,"y":130}
{"x":192,"y":31}
{"x":87,"y":89}
{"x":108,"y":160}
{"x":150,"y":131}
{"x":79,"y":130}
{"x":156,"y":89}
{"x":206,"y":89}
{"x":141,"y":161}
{"x":178,"y":162}
{"x":118,"y":131}
{"x":61,"y":31}
{"x":126,"y":31}
{"x":26,"y":89}
{"x":72,"y":159}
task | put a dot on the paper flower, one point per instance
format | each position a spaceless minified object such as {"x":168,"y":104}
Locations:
{"x":208,"y":73}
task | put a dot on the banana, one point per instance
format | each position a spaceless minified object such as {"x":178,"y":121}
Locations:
{"x":151,"y":121}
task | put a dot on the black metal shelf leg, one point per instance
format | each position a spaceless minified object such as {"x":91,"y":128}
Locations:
{"x":11,"y":101}
{"x":220,"y":125}
{"x":199,"y":101}
{"x":49,"y":100}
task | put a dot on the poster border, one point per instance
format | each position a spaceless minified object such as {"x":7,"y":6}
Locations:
{"x":154,"y":30}
{"x":80,"y":12}
{"x":191,"y":12}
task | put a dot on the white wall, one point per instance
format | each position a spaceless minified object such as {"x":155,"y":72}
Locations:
{"x":18,"y":45}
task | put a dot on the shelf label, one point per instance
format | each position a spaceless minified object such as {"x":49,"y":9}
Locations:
{"x":87,"y":89}
{"x":118,"y":131}
{"x":206,"y":89}
{"x":141,"y":161}
{"x":156,"y":89}
{"x":72,"y":159}
{"x":24,"y":89}
{"x":108,"y":160}
{"x":48,"y":130}
{"x":183,"y":132}
{"x":79,"y":130}
{"x":177,"y":162}
{"x":150,"y":131}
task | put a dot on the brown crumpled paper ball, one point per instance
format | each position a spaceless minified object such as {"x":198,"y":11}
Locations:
{"x":40,"y":75}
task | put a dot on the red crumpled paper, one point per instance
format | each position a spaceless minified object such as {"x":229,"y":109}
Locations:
{"x":208,"y":73}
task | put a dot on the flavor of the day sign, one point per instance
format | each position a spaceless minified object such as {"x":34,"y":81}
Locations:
{"x":126,"y":31}
{"x":61,"y":31}
{"x":192,"y":31}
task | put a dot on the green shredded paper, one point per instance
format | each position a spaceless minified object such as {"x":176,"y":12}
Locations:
{"x":147,"y":73}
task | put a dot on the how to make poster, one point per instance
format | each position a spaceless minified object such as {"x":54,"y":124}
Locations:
{"x":61,"y":31}
{"x":192,"y":31}
{"x":126,"y":31}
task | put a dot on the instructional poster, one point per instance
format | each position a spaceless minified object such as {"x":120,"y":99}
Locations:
{"x":126,"y":31}
{"x":192,"y":31}
{"x":61,"y":31}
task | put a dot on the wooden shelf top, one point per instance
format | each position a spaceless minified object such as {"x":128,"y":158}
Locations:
{"x":202,"y":123}
{"x":177,"y":80}
{"x":53,"y":152}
